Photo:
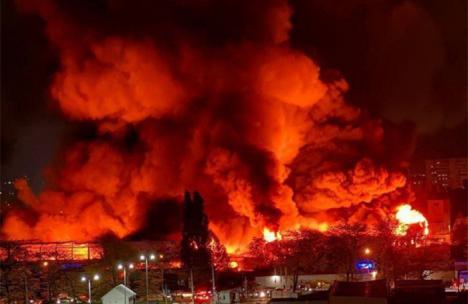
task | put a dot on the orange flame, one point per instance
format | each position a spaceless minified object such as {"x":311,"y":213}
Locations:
{"x":407,"y":216}
{"x":271,"y":236}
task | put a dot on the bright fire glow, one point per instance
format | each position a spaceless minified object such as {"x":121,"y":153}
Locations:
{"x":233,"y":264}
{"x":80,"y":251}
{"x":230,"y":249}
{"x":175,"y":264}
{"x":60,"y":251}
{"x":407,"y":216}
{"x":271,"y":236}
{"x":323,"y":227}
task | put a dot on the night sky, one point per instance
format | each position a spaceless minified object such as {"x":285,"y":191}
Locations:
{"x":405,"y":61}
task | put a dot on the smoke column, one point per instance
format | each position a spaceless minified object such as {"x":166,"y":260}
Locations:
{"x":216,"y":100}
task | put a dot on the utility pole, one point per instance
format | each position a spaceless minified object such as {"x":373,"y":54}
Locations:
{"x":48,"y":290}
{"x":125,"y":267}
{"x":214,"y":295}
{"x":26,"y":293}
{"x":125,"y":284}
{"x":89,"y":291}
{"x":147,"y":286}
{"x":45,"y":265}
{"x":88,"y":279}
{"x":145,"y":258}
{"x":163,"y":285}
{"x":191,"y":286}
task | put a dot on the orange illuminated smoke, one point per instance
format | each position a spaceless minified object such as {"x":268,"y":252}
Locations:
{"x":271,"y":236}
{"x":271,"y":136}
{"x":407,"y":216}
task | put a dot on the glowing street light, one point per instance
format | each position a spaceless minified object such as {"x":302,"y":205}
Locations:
{"x":125,"y":267}
{"x":145,"y":258}
{"x":84,"y":278}
{"x":45,"y":264}
{"x":367,"y":251}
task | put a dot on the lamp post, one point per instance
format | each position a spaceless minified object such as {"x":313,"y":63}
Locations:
{"x":213,"y":282}
{"x":26,"y":291}
{"x":125,"y":268}
{"x":163,"y":287}
{"x":145,"y":258}
{"x":88,"y":279}
{"x":45,"y":265}
{"x":192,"y":287}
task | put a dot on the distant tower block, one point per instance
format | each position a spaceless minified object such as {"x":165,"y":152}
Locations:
{"x":438,"y":216}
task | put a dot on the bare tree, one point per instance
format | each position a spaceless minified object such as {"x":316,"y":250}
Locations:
{"x":14,"y":272}
{"x":344,"y":246}
{"x":303,"y":252}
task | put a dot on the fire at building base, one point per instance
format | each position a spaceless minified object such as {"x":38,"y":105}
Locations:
{"x":289,"y":264}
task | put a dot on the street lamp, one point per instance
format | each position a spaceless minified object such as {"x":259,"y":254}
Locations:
{"x":125,"y":268}
{"x":163,"y":287}
{"x":367,"y":251}
{"x":84,"y":278}
{"x":145,"y":257}
{"x":45,"y":265}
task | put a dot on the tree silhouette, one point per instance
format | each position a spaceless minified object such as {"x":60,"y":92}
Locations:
{"x":195,"y":254}
{"x":344,"y":245}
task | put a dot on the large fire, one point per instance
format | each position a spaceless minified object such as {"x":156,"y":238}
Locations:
{"x":68,"y":251}
{"x":246,"y":119}
{"x":407,"y":216}
{"x":271,"y":236}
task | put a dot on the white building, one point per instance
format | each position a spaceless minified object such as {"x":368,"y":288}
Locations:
{"x":226,"y":296}
{"x":119,"y":295}
{"x":286,"y":282}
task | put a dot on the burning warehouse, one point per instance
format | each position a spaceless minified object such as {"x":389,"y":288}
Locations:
{"x":69,"y":252}
{"x":52,"y":251}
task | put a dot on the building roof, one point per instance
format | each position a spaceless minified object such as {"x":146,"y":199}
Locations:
{"x":420,"y":291}
{"x":399,"y":283}
{"x":121,"y":289}
{"x":371,"y":289}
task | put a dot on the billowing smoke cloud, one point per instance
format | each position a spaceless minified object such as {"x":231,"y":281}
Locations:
{"x":214,"y":99}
